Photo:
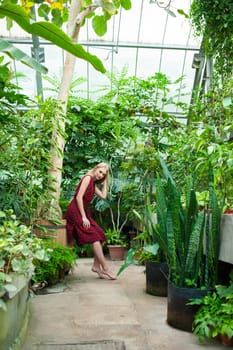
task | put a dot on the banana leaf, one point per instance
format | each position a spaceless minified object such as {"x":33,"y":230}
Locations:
{"x":50,"y":32}
{"x":18,"y":55}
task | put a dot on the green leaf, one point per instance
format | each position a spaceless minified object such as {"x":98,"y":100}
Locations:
{"x":153,"y":249}
{"x":3,"y":305}
{"x":43,"y":11}
{"x":195,"y":237}
{"x":8,"y":278}
{"x":99,"y":24}
{"x":2,"y":214}
{"x":40,"y":254}
{"x":2,"y":274}
{"x":10,"y":288}
{"x":181,"y":12}
{"x":128,"y":261}
{"x":50,"y":32}
{"x":171,"y":13}
{"x":227,"y":101}
{"x":126,"y":4}
{"x":109,"y":8}
{"x":21,"y":56}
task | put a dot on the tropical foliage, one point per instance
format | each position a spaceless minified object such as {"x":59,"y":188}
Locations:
{"x":213,"y":22}
{"x":214,"y":316}
{"x":19,"y":249}
{"x":188,"y":237}
{"x":126,"y":128}
{"x":25,"y":157}
{"x":18,"y":55}
{"x":46,"y":30}
{"x":61,"y":260}
{"x":25,"y":16}
{"x":206,"y":141}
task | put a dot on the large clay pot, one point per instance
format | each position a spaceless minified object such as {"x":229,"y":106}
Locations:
{"x":116,"y":252}
{"x":225,"y":340}
{"x":47,"y":229}
{"x":179,"y":314}
{"x":156,"y":278}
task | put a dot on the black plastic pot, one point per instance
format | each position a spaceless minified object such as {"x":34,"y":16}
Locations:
{"x":156,"y":278}
{"x":179,"y":314}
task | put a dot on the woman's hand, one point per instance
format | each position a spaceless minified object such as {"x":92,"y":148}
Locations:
{"x":106,"y":180}
{"x":86,"y":222}
{"x":102,"y":193}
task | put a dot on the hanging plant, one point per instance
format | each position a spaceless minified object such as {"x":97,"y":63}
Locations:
{"x":213,"y":20}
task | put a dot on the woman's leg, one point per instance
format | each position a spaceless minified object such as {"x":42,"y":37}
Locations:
{"x":96,"y":267}
{"x":99,"y":260}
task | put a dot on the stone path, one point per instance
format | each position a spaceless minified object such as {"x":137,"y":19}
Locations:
{"x":89,"y":313}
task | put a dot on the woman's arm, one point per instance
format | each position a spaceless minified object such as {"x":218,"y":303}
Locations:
{"x":102,"y":193}
{"x":79,"y":199}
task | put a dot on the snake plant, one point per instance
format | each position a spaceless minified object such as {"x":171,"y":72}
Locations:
{"x":188,"y":237}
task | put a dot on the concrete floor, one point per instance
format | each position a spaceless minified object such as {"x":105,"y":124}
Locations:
{"x":90,"y":309}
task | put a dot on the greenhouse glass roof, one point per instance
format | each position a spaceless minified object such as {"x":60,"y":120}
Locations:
{"x":144,"y":40}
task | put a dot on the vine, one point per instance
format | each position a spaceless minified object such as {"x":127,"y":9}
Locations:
{"x":213,"y":20}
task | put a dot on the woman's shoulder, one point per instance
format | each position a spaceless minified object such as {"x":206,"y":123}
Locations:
{"x":84,"y":183}
{"x":87,"y":178}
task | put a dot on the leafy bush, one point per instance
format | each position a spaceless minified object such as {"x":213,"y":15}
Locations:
{"x":62,"y":259}
{"x":18,"y":250}
{"x":214,"y":316}
{"x":115,"y":237}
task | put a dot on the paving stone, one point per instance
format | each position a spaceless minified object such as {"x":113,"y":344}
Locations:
{"x":118,"y":311}
{"x":90,"y":345}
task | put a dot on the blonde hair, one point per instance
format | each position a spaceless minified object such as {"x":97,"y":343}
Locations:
{"x":100,"y":165}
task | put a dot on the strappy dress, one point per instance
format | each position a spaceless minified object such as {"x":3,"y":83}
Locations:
{"x":74,"y":222}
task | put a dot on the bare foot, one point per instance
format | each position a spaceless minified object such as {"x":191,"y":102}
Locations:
{"x":109,"y":274}
{"x":94,"y":269}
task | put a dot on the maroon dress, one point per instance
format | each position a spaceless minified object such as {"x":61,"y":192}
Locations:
{"x":74,"y":222}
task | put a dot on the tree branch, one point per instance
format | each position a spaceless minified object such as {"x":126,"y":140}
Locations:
{"x":82,"y":15}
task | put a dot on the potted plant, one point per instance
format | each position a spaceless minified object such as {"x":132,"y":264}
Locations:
{"x":116,"y":243}
{"x":19,"y":248}
{"x":122,"y":198}
{"x":150,"y":254}
{"x":189,"y":239}
{"x":214,"y":316}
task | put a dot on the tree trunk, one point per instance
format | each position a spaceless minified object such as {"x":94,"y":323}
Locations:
{"x":58,"y":141}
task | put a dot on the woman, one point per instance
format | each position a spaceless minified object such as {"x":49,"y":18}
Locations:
{"x":80,"y":225}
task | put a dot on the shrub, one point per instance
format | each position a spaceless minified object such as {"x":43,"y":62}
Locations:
{"x":62,"y":259}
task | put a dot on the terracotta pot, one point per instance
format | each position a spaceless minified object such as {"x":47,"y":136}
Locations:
{"x":225,"y":340}
{"x":116,"y":252}
{"x":50,"y":230}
